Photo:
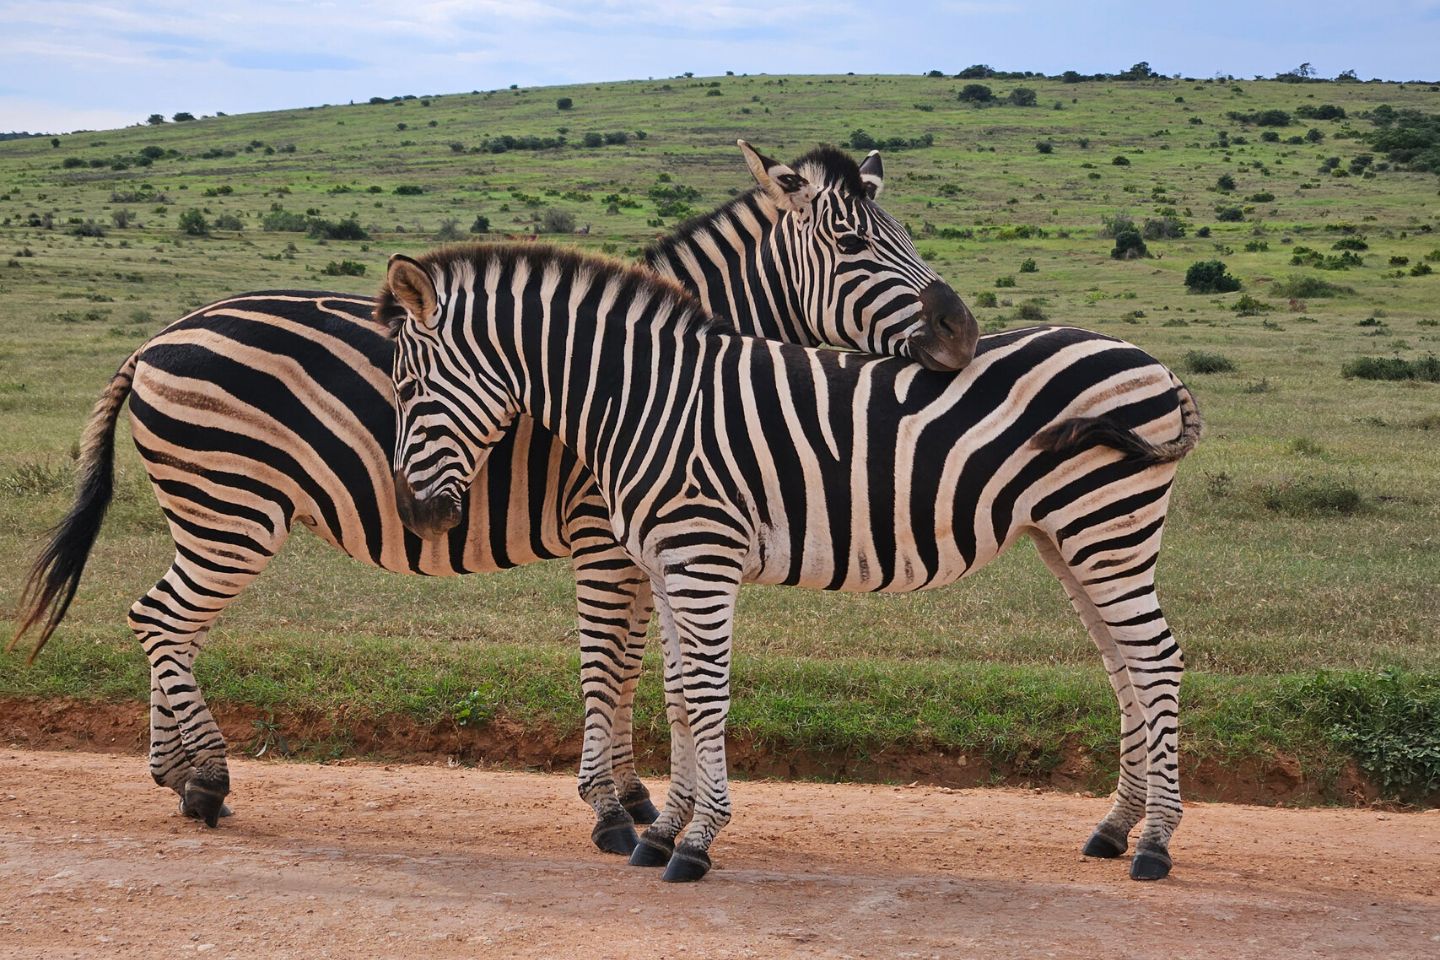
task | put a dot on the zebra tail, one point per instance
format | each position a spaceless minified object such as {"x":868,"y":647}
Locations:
{"x":55,"y":577}
{"x":1079,"y":433}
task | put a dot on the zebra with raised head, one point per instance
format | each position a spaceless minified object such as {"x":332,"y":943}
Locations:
{"x":724,"y":459}
{"x":270,"y":410}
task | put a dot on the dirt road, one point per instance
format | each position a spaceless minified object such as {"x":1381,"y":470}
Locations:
{"x":410,"y":861}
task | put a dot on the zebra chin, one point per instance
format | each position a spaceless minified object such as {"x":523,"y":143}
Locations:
{"x":428,"y":518}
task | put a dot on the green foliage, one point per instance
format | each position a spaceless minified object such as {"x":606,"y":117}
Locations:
{"x":861,"y":140}
{"x":1210,"y":276}
{"x":986,"y":298}
{"x":1163,"y":228}
{"x":344,"y":268}
{"x":1427,"y":368}
{"x":1021,"y":97}
{"x":1388,"y":721}
{"x":409,"y":190}
{"x":1028,"y":265}
{"x":1203,"y":361}
{"x":1225,"y":183}
{"x":976,"y":93}
{"x":481,"y":224}
{"x":1248,"y":306}
{"x":1129,"y":245}
{"x":193,"y":222}
{"x":1120,"y":160}
{"x":564,"y":103}
{"x":347,"y":229}
{"x":1302,"y":286}
{"x":1006,"y":281}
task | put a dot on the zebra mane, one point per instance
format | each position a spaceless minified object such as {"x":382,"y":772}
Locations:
{"x":835,"y":168}
{"x":390,"y":314}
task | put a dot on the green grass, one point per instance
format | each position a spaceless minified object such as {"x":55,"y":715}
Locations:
{"x":1302,"y":563}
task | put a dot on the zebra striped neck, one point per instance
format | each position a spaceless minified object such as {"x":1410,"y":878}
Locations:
{"x":733,"y":260}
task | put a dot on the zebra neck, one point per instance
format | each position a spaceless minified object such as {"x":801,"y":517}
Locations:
{"x":738,"y":262}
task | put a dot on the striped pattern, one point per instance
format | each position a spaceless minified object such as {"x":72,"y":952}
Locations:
{"x":726,"y":459}
{"x":266,"y":411}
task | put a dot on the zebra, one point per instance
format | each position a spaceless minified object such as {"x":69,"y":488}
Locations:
{"x":724,"y":458}
{"x":269,"y":410}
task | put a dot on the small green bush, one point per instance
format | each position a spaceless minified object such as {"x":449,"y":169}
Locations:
{"x":1248,"y":306}
{"x":1129,"y":245}
{"x":193,"y":222}
{"x":1006,"y":281}
{"x":986,"y":298}
{"x":1210,"y":276}
{"x":1201,"y":361}
{"x":345,"y":268}
{"x":1121,"y":161}
{"x":409,"y":190}
{"x":975,"y":93}
{"x":564,"y":103}
{"x":1302,"y":287}
{"x":1393,"y":368}
{"x":1028,"y":265}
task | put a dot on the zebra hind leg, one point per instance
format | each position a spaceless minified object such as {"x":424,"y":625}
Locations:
{"x":634,"y":797}
{"x":1114,"y":566}
{"x":1112,"y":836}
{"x":188,"y":751}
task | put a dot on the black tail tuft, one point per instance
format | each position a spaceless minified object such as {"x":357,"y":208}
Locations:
{"x":55,"y":577}
{"x":1080,"y":433}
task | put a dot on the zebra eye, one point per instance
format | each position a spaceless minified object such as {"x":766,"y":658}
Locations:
{"x":406,"y":391}
{"x":851,"y":243}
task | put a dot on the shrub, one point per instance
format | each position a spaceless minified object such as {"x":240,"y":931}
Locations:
{"x":194,"y":223}
{"x":1021,"y":97}
{"x":1421,"y":270}
{"x":449,"y":230}
{"x":986,"y":298}
{"x":481,"y":224}
{"x":1312,"y":496}
{"x":1201,"y":361}
{"x":1028,"y":265}
{"x":1045,"y":146}
{"x":1264,"y":196}
{"x":593,"y":139}
{"x":557,"y":221}
{"x":713,"y":93}
{"x":345,"y":268}
{"x":1303,"y":286}
{"x":1006,"y":281}
{"x":1350,"y":243}
{"x":278,"y":220}
{"x":1210,"y":276}
{"x":155,"y":119}
{"x":1257,"y":246}
{"x":1399,"y":261}
{"x":228,"y":221}
{"x":1129,"y":245}
{"x":409,"y":190}
{"x":121,"y":218}
{"x":347,"y":229}
{"x":1203,"y":232}
{"x":1164,"y":228}
{"x":1030,"y":311}
{"x":1121,"y":161}
{"x":1324,"y":111}
{"x":182,"y":116}
{"x":617,"y":137}
{"x":1229,"y":214}
{"x":1111,"y":227}
{"x":1225,"y":183}
{"x":1248,"y":306}
{"x":564,"y":103}
{"x":976,"y":93}
{"x":1393,"y":368}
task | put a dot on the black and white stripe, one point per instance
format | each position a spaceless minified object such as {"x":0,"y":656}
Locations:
{"x":270,"y":410}
{"x":724,"y":459}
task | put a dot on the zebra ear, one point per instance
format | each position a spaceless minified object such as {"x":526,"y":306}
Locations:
{"x":781,"y":183}
{"x":872,"y":174}
{"x":411,"y":287}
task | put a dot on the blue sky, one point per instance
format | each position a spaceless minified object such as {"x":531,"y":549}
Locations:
{"x":99,"y":65}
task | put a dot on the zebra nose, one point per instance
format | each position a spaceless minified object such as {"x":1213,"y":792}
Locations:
{"x":427,"y":517}
{"x":948,"y":334}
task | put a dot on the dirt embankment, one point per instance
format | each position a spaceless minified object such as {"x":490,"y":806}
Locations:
{"x":360,"y":860}
{"x":63,"y":724}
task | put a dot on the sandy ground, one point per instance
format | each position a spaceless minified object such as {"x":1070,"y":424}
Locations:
{"x":356,"y":860}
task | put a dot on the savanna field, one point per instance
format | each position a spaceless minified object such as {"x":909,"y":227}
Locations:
{"x":1301,"y":570}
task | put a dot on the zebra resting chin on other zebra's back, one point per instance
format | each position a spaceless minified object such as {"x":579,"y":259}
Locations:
{"x":267,"y":410}
{"x":724,"y":459}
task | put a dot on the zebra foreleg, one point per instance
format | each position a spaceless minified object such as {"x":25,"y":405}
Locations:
{"x":657,"y":843}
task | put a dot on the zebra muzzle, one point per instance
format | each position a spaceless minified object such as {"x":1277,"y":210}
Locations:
{"x":948,"y":334}
{"x":429,"y":517}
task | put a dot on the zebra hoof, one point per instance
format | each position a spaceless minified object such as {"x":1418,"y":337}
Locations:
{"x":615,"y":834}
{"x":642,"y":811}
{"x":687,"y":865}
{"x":1104,"y":844}
{"x":637,"y":803}
{"x":1151,"y":862}
{"x":203,"y":802}
{"x":650,"y":852}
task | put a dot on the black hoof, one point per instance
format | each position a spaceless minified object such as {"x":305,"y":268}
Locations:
{"x":1150,"y":863}
{"x":650,"y":852}
{"x":225,"y":810}
{"x":687,"y":865}
{"x":642,"y":811}
{"x":203,"y":802}
{"x":615,"y":835}
{"x":1104,"y":844}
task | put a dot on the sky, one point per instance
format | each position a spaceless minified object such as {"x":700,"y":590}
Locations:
{"x":67,"y":66}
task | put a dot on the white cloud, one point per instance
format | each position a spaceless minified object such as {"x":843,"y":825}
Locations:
{"x":38,"y":116}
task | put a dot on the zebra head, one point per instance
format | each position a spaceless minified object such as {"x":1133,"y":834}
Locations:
{"x":448,"y":414}
{"x":860,"y":281}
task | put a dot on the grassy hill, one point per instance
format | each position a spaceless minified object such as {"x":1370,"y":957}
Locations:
{"x":1302,"y":569}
